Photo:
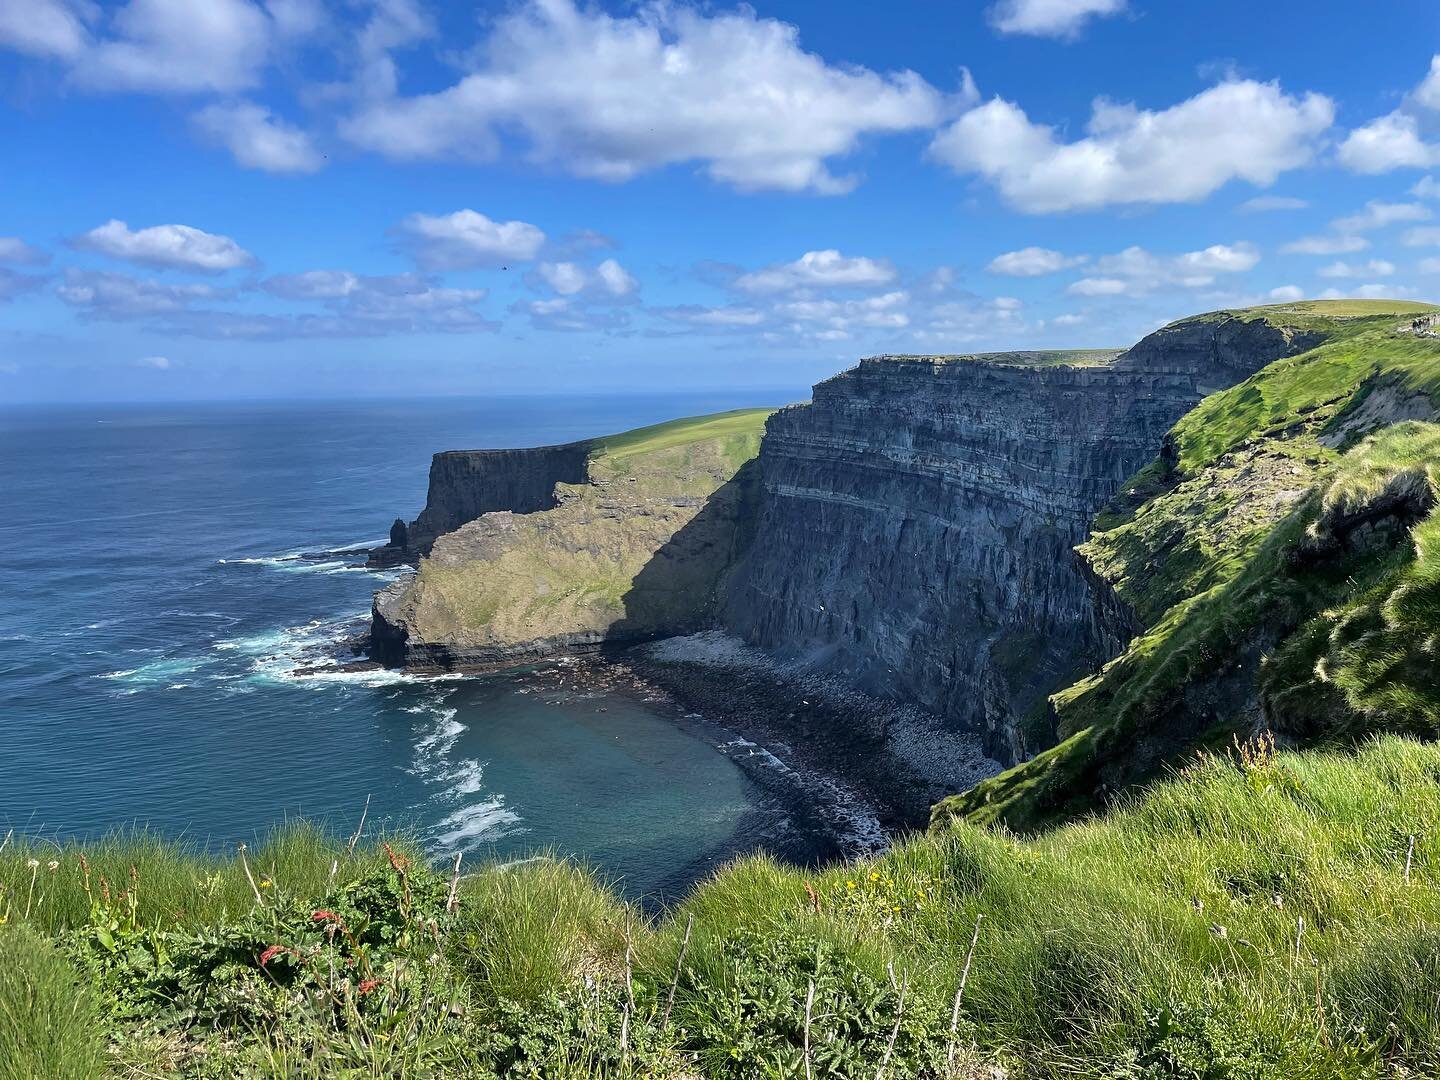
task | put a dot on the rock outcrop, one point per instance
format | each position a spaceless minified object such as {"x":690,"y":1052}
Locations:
{"x":464,"y":484}
{"x":634,"y":548}
{"x":919,"y":517}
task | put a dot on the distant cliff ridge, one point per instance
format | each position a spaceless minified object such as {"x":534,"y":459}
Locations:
{"x":913,"y":530}
{"x":919,"y":517}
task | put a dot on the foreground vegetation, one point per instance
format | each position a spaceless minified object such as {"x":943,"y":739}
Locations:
{"x":1281,"y":561}
{"x":1259,"y":915}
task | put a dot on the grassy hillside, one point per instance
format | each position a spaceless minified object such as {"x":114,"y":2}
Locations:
{"x":1281,"y":556}
{"x":637,"y":550}
{"x":1258,"y":916}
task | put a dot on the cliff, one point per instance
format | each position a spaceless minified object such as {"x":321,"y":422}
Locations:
{"x":630,"y":541}
{"x":465,"y":484}
{"x":919,"y":516}
{"x":1278,"y":568}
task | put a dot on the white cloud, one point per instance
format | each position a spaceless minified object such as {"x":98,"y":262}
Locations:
{"x":818,"y":269}
{"x":665,"y":85}
{"x":608,"y":281}
{"x":312,"y":285}
{"x":466,"y":239}
{"x":258,"y":140}
{"x":159,"y":363}
{"x":1375,"y":268}
{"x":1326,"y":245}
{"x":1033,"y":262}
{"x":179,"y":46}
{"x":1408,"y":137}
{"x":118,"y":296}
{"x":564,"y":314}
{"x":1242,"y":130}
{"x":1369,"y":292}
{"x":1429,"y":266}
{"x":1378,"y":215}
{"x":1286,"y":294}
{"x":1099,"y":287}
{"x":1050,"y":18}
{"x":16,"y":252}
{"x":45,"y":27}
{"x":1426,"y":188}
{"x":1425,"y":236}
{"x":1266,"y":203}
{"x":176,"y":247}
{"x":1136,"y":272}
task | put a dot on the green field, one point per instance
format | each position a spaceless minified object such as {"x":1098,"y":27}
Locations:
{"x":1260,"y":915}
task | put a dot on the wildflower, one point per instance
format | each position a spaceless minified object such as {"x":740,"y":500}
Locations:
{"x":266,"y":883}
{"x":874,"y":876}
{"x":398,"y":861}
{"x":325,"y":916}
{"x":53,"y":865}
{"x":920,"y":893}
{"x":368,"y":985}
{"x":273,"y":951}
{"x":849,"y":885}
{"x":33,"y":864}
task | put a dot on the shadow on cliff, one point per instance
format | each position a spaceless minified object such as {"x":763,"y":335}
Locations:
{"x":678,"y":589}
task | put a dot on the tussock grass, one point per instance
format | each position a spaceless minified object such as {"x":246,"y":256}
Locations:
{"x":1260,"y":914}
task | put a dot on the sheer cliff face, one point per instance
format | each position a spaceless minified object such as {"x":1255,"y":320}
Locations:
{"x":918,"y":518}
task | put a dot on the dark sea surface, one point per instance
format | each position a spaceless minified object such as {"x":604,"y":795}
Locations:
{"x":153,"y":616}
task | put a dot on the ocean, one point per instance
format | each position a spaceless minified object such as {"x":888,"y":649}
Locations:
{"x":158,"y":618}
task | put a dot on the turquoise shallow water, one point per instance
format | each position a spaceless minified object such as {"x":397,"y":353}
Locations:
{"x":155,"y":615}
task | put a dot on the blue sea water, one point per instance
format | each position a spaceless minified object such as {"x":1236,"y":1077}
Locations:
{"x":154,"y":619}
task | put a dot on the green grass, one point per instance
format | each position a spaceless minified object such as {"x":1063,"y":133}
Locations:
{"x":1245,"y":617}
{"x":746,"y":424}
{"x":1255,"y":916}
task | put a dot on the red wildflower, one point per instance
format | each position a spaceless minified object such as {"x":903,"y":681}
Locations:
{"x":325,"y":916}
{"x":398,"y":861}
{"x":368,"y":985}
{"x":272,"y":952}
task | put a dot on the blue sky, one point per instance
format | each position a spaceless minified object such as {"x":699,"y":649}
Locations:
{"x":313,"y":198}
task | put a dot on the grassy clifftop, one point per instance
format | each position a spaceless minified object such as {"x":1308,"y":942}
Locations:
{"x":635,"y":551}
{"x":1281,"y":560}
{"x":1261,"y":916}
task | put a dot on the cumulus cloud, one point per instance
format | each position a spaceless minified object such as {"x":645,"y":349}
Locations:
{"x":564,"y":314}
{"x":1408,"y":137}
{"x":665,"y":85}
{"x":1426,"y":188}
{"x":1286,"y":294}
{"x":608,"y":281}
{"x":1136,"y":272}
{"x":1373,"y":269}
{"x":1050,"y":18}
{"x":1033,"y":262}
{"x":1239,"y":129}
{"x":467,"y":239}
{"x":1326,"y":245}
{"x":312,"y":285}
{"x":1268,"y":203}
{"x":16,"y":252}
{"x":52,"y":28}
{"x":818,"y":269}
{"x":1378,"y":215}
{"x":1369,"y":292}
{"x":174,"y":247}
{"x":258,"y":140}
{"x":178,"y":46}
{"x":117,"y":297}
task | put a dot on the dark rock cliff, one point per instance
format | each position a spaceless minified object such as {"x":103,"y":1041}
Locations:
{"x":464,"y":484}
{"x":918,"y":518}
